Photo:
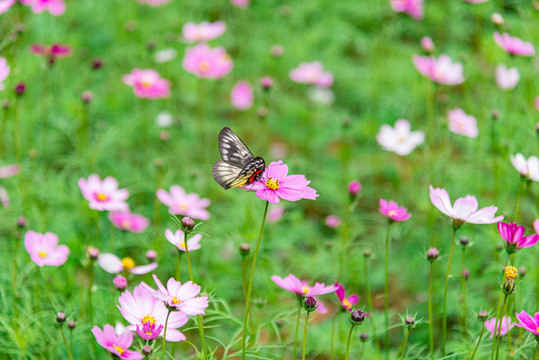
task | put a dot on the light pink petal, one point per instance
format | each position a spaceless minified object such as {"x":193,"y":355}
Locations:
{"x":110,"y":263}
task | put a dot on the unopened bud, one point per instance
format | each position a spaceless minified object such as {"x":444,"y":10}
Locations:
{"x":464,"y":241}
{"x":87,"y":96}
{"x":147,"y":350}
{"x":151,"y":255}
{"x":496,"y":19}
{"x":21,"y":222}
{"x":93,"y":252}
{"x":120,"y":282}
{"x":277,"y":50}
{"x":482,"y":315}
{"x":188,"y":223}
{"x":410,"y":321}
{"x":60,"y":318}
{"x":357,"y":316}
{"x":367,"y":254}
{"x":432,"y":254}
{"x":71,"y":325}
{"x":363,"y":337}
{"x":20,"y":88}
{"x":245,"y":249}
{"x":266,"y":82}
{"x":309,"y":304}
{"x":354,"y":188}
{"x":466,"y":274}
{"x":97,"y":64}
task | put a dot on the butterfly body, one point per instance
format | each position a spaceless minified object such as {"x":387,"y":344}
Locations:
{"x":238,"y":166}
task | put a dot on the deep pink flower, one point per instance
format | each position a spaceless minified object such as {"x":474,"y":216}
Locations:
{"x":181,"y":203}
{"x":311,"y":73}
{"x":205,"y":62}
{"x":441,"y":70}
{"x":153,"y":2}
{"x":140,"y":307}
{"x":181,"y":297}
{"x":5,"y":5}
{"x":514,"y":45}
{"x":414,"y":8}
{"x":276,"y":184}
{"x":55,"y":7}
{"x":52,"y":51}
{"x":275,"y":213}
{"x":178,"y":239}
{"x":462,"y":123}
{"x":333,"y":221}
{"x":240,"y":3}
{"x":149,"y":331}
{"x":44,"y":250}
{"x":205,"y":31}
{"x":114,"y":265}
{"x":300,"y":287}
{"x":4,"y":71}
{"x":503,"y":326}
{"x":464,"y":209}
{"x":147,"y":84}
{"x":392,"y":211}
{"x":103,"y":195}
{"x":242,"y":96}
{"x":116,"y":344}
{"x":528,"y":323}
{"x":9,"y":170}
{"x":347,"y":302}
{"x":124,"y":220}
{"x":354,"y":188}
{"x":514,"y":238}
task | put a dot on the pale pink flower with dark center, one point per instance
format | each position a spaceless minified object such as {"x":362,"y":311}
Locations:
{"x":114,"y":265}
{"x":275,"y":184}
{"x":312,"y":73}
{"x":180,"y":297}
{"x":178,"y":239}
{"x":153,"y":2}
{"x":503,"y":326}
{"x":44,"y":249}
{"x":528,"y":168}
{"x":147,"y":84}
{"x":127,"y":221}
{"x":514,"y":238}
{"x":414,"y":8}
{"x":400,"y":139}
{"x":4,"y":71}
{"x":9,"y":170}
{"x":464,"y":209}
{"x":103,"y":195}
{"x":392,"y":211}
{"x":118,"y":345}
{"x":441,"y":70}
{"x":206,"y":62}
{"x":347,"y":302}
{"x":462,"y":123}
{"x":242,"y":96}
{"x":300,"y":287}
{"x":5,"y":5}
{"x":55,"y":7}
{"x":181,"y":203}
{"x":514,"y":45}
{"x":205,"y":31}
{"x":240,"y":3}
{"x":528,"y":323}
{"x":507,"y":78}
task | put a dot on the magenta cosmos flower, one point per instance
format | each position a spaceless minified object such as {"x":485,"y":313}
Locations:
{"x":441,"y":70}
{"x":205,"y":62}
{"x":116,"y":344}
{"x":114,"y":265}
{"x":147,"y":84}
{"x":4,"y":71}
{"x":153,"y":2}
{"x":528,"y":168}
{"x":514,"y":45}
{"x":44,"y":250}
{"x":503,"y":326}
{"x":399,"y":139}
{"x":124,"y":220}
{"x":178,"y":239}
{"x":103,"y":195}
{"x":462,"y":123}
{"x":300,"y":287}
{"x":242,"y":96}
{"x":414,"y":8}
{"x":180,"y":297}
{"x":181,"y":203}
{"x":51,"y":52}
{"x":141,"y":307}
{"x":311,"y":73}
{"x":392,"y":211}
{"x":205,"y":31}
{"x":528,"y":323}
{"x":9,"y":171}
{"x":55,"y":7}
{"x":275,"y":184}
{"x":464,"y":209}
{"x":514,"y":238}
{"x":347,"y":302}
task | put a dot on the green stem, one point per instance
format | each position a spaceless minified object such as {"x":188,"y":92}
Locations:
{"x":536,"y":356}
{"x":348,"y":341}
{"x":297,"y":330}
{"x":178,"y":263}
{"x":515,"y":217}
{"x":165,"y":335}
{"x":17,"y":135}
{"x":244,"y":276}
{"x":498,"y":330}
{"x":333,"y":336}
{"x":431,"y":321}
{"x":250,"y":287}
{"x":305,"y":334}
{"x":478,"y":342}
{"x":65,"y":343}
{"x":2,"y":125}
{"x":386,"y":288}
{"x":464,"y":305}
{"x":90,"y":285}
{"x":369,"y":301}
{"x":494,"y":340}
{"x":405,"y":342}
{"x":188,"y":258}
{"x":444,"y":312}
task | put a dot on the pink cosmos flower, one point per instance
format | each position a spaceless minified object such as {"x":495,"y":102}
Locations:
{"x":275,"y":184}
{"x":141,"y":307}
{"x":205,"y":31}
{"x":464,"y":209}
{"x":333,"y":221}
{"x":153,"y":2}
{"x":321,"y":307}
{"x":528,"y":323}
{"x":462,"y":123}
{"x":5,"y":5}
{"x":180,"y":297}
{"x":129,"y":222}
{"x":536,"y":102}
{"x":400,"y":139}
{"x":178,"y":239}
{"x":527,"y":168}
{"x":349,"y":302}
{"x":44,"y":250}
{"x":240,"y":3}
{"x":205,"y":62}
{"x":114,"y":265}
{"x":507,"y":78}
{"x":147,"y":84}
{"x":149,"y":331}
{"x":242,"y":96}
{"x":9,"y":170}
{"x":275,"y":213}
{"x":4,"y":197}
{"x":4,"y":71}
{"x":54,"y":7}
{"x":116,"y":344}
{"x":354,"y":188}
{"x":414,"y":8}
{"x":181,"y":203}
{"x":392,"y":211}
{"x":514,"y":45}
{"x":514,"y":238}
{"x":476,"y":2}
{"x":311,"y":73}
{"x":503,"y":326}
{"x":51,"y":52}
{"x":427,"y":44}
{"x":300,"y":287}
{"x":536,"y":226}
{"x":103,"y":195}
{"x":441,"y":70}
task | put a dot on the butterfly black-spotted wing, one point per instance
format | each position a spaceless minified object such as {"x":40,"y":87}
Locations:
{"x":238,"y":166}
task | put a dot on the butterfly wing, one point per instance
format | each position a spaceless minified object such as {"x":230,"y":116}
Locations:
{"x":225,"y":174}
{"x":233,"y":150}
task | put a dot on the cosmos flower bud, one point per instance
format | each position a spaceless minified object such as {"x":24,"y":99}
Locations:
{"x":151,"y":255}
{"x":158,"y":162}
{"x":357,"y":317}
{"x":363,"y":337}
{"x":20,"y":88}
{"x":482,"y":315}
{"x":432,"y":254}
{"x":21,"y":222}
{"x":262,"y":112}
{"x":188,"y":223}
{"x":147,"y":350}
{"x":367,"y":254}
{"x":164,"y":135}
{"x":93,"y":252}
{"x":509,"y":284}
{"x":87,"y":96}
{"x":60,"y":318}
{"x":97,"y":64}
{"x":71,"y":325}
{"x":409,"y":321}
{"x":522,"y":271}
{"x":120,"y":282}
{"x":495,"y":114}
{"x":354,"y":188}
{"x":5,"y":104}
{"x":245,"y":249}
{"x":466,"y":274}
{"x":497,"y":18}
{"x":426,"y":44}
{"x":277,"y":50}
{"x":464,"y":241}
{"x":309,"y":304}
{"x":266,"y":82}
{"x":150,"y":45}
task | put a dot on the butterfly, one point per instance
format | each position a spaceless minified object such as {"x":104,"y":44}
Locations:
{"x":239,"y":167}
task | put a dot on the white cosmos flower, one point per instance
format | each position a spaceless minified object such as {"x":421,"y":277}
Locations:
{"x":399,"y":139}
{"x":527,"y":168}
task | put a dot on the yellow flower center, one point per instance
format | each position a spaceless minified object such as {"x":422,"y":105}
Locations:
{"x":146,"y":84}
{"x":511,"y":272}
{"x":42,"y":254}
{"x":305,"y":290}
{"x":182,"y":245}
{"x":125,"y":224}
{"x":149,"y":319}
{"x":272,"y":184}
{"x":537,"y":330}
{"x":392,"y":213}
{"x":204,"y":66}
{"x":128,"y":263}
{"x":101,"y":197}
{"x":176,"y":300}
{"x":347,"y":303}
{"x":183,"y":207}
{"x":120,"y":349}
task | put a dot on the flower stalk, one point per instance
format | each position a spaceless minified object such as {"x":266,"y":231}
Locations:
{"x":444,"y":311}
